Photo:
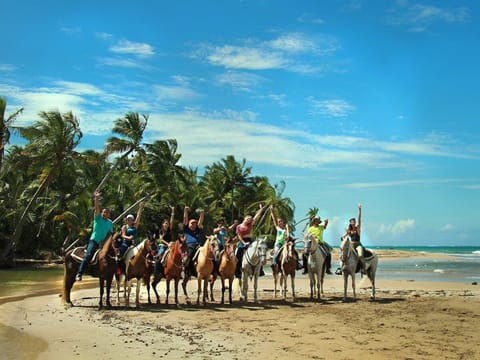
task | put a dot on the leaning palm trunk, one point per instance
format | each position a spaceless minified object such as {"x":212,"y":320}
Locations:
{"x":17,"y":233}
{"x":110,"y":171}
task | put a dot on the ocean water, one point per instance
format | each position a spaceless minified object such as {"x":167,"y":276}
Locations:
{"x":462,"y":265}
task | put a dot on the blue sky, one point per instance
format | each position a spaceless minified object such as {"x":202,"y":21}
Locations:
{"x":372,"y":102}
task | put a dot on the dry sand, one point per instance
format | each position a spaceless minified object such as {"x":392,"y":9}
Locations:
{"x":408,"y":320}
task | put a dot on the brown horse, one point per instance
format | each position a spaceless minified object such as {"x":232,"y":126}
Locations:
{"x":288,"y":267}
{"x":103,"y":266}
{"x":204,"y":265}
{"x":174,"y":267}
{"x":136,"y":263}
{"x":226,"y":269}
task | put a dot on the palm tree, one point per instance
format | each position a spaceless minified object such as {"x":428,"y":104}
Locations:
{"x":236,"y":176}
{"x":130,"y":128}
{"x":6,"y":124}
{"x":52,"y":141}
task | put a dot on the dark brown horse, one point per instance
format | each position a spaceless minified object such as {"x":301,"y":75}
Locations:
{"x":103,"y":267}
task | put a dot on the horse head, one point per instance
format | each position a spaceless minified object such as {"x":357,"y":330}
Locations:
{"x":345,"y":247}
{"x":310,"y":243}
{"x":151,"y":246}
{"x":212,"y":246}
{"x":230,"y":247}
{"x":262,"y":249}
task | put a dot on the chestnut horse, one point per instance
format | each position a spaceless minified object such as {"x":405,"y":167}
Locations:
{"x":174,"y":265}
{"x":136,"y":262}
{"x":103,"y":266}
{"x":226,"y":269}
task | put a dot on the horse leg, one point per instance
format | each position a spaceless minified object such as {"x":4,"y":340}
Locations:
{"x":255,"y":286}
{"x":223,"y":290}
{"x":320,"y":277}
{"x":137,"y":297}
{"x":283,"y":281}
{"x":127,"y":290}
{"x":184,"y":287}
{"x":244,"y":287}
{"x":205,"y":291}
{"x":176,"y":280}
{"x":109,"y":288}
{"x":146,"y":281}
{"x":154,"y":287}
{"x":353,"y":286}
{"x":212,"y":282}
{"x":345,"y":284}
{"x":230,"y":285}
{"x":100,"y":303}
{"x":199,"y":288}
{"x":292,"y":277}
{"x":167,"y":291}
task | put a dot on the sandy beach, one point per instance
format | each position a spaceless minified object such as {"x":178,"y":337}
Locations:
{"x":408,"y":320}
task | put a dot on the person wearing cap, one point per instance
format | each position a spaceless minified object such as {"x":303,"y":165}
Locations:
{"x":191,"y":230}
{"x":316,"y":229}
{"x":102,"y":226}
{"x":130,"y":230}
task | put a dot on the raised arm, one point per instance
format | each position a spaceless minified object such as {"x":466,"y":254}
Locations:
{"x":185,"y":215}
{"x":97,"y":203}
{"x":139,"y":215}
{"x":257,"y":214}
{"x":274,"y":219}
{"x":172,"y":217}
{"x":359,"y":218}
{"x":201,"y":218}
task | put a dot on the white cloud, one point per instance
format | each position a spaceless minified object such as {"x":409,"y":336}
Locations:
{"x":330,"y":108}
{"x":286,"y":52}
{"x":174,"y":93}
{"x":398,"y":228}
{"x":240,"y":57}
{"x":239,"y":81}
{"x":418,"y":17}
{"x":447,"y":227}
{"x":123,"y":62}
{"x":310,"y":18}
{"x":141,"y":50}
{"x":7,"y":68}
{"x":71,"y":30}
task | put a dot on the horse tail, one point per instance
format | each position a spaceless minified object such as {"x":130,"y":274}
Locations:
{"x":68,"y":277}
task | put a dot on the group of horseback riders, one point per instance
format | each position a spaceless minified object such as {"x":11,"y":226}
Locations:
{"x":192,"y":227}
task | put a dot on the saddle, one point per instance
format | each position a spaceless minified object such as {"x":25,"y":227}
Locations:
{"x":78,"y":254}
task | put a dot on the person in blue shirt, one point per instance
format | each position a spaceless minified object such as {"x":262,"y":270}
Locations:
{"x":191,"y":230}
{"x":130,"y":230}
{"x":102,"y":226}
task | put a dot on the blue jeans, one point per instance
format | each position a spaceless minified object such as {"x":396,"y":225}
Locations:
{"x":91,"y":248}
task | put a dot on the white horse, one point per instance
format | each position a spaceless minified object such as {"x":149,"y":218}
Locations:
{"x":253,"y":259}
{"x":350,"y":261}
{"x":315,"y":265}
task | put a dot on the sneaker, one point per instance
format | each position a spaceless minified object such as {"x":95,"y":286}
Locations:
{"x":338,"y":271}
{"x":78,"y":277}
{"x":329,"y":272}
{"x":305,"y":271}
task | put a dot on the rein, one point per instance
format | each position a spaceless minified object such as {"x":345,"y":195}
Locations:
{"x":247,"y":257}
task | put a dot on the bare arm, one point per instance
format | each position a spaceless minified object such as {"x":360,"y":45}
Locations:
{"x":257,"y":214}
{"x":139,"y":215}
{"x":185,"y":215}
{"x":359,"y":218}
{"x":172,"y":217}
{"x":97,"y":203}
{"x":273,"y":217}
{"x":200,"y":220}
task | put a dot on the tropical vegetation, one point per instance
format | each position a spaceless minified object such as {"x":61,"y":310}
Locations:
{"x":46,"y":185}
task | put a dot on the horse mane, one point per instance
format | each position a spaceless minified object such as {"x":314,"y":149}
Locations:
{"x":107,"y":243}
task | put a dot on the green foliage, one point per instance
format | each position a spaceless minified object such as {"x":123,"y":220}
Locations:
{"x":46,"y":186}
